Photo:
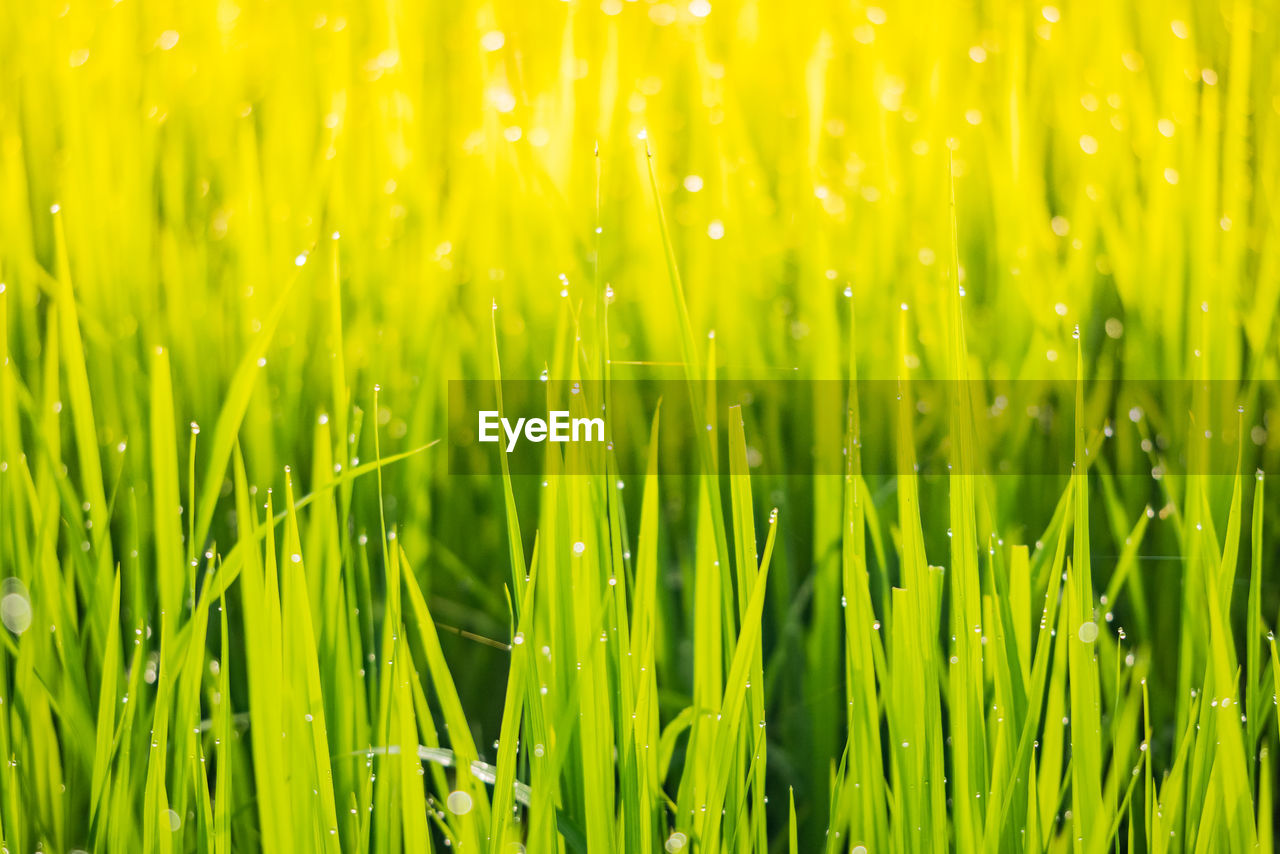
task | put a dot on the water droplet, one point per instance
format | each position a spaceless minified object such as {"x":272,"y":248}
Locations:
{"x":15,"y":606}
{"x":458,"y":802}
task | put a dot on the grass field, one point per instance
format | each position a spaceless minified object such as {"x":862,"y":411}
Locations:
{"x":245,"y":246}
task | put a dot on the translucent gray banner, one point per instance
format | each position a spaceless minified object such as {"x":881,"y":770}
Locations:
{"x":830,"y":427}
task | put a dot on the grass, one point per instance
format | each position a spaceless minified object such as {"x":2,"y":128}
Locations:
{"x":246,"y":606}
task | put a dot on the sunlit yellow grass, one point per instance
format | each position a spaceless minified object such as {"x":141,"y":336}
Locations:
{"x":244,"y":247}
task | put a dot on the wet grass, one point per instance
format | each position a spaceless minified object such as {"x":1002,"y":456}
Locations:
{"x":244,"y":247}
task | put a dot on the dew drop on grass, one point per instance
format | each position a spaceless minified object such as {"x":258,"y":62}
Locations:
{"x":579,"y":547}
{"x":175,"y":820}
{"x":1088,"y":632}
{"x":15,"y":606}
{"x":459,"y":803}
{"x":676,"y":842}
